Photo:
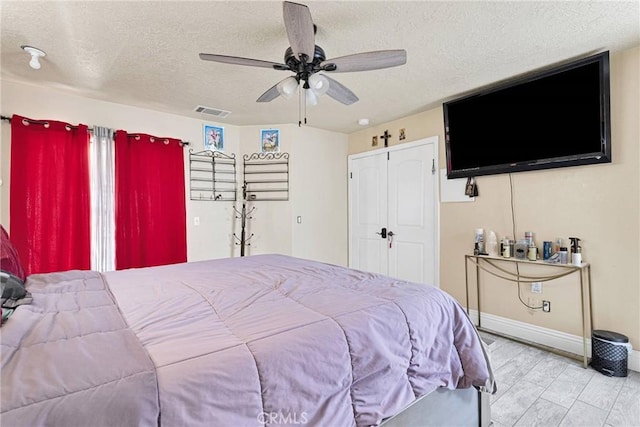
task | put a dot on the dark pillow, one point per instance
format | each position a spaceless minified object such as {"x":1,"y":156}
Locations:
{"x":9,"y":259}
{"x":12,"y":287}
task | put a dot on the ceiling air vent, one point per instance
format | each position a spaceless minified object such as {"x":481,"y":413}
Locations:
{"x":212,"y":111}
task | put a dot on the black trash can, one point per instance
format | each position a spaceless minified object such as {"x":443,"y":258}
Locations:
{"x":609,"y":353}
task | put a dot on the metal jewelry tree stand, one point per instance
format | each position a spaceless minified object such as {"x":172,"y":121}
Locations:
{"x":266,"y":178}
{"x":243,"y":216}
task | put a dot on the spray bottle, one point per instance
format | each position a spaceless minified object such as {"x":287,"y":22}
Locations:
{"x":576,"y":252}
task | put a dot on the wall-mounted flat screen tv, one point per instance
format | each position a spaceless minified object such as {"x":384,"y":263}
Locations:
{"x":554,"y":118}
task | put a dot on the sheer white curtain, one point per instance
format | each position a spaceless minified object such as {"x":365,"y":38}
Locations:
{"x":102,"y":199}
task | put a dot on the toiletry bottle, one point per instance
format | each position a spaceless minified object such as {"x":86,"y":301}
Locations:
{"x":557,"y":246}
{"x":492,"y":244}
{"x":547,"y":250}
{"x":532,"y":250}
{"x":521,"y":249}
{"x":528,"y":235}
{"x":506,"y":248}
{"x":576,"y":255}
{"x":480,"y":240}
{"x":564,"y":255}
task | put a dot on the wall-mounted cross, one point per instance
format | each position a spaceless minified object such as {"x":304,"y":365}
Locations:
{"x":386,"y":137}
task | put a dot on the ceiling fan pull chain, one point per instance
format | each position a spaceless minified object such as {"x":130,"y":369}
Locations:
{"x":300,"y":108}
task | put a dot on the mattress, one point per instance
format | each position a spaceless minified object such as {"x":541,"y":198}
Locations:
{"x":266,"y":339}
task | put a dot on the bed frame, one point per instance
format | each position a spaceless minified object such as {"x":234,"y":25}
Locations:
{"x":444,"y":407}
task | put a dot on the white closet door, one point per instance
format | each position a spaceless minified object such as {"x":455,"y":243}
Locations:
{"x":395,"y":190}
{"x":412,"y":214}
{"x":368,"y":213}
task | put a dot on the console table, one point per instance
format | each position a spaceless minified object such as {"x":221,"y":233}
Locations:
{"x":491,"y":264}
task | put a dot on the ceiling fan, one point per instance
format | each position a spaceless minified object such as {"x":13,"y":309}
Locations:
{"x":306,"y":60}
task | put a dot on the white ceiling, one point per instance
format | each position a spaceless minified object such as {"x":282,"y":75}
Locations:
{"x":145,"y":53}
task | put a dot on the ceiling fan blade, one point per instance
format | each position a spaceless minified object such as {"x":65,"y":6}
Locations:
{"x":270,"y":94}
{"x":242,"y":61}
{"x":299,"y":26}
{"x":340,"y":92}
{"x":367,"y":61}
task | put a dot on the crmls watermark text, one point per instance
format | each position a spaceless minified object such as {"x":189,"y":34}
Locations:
{"x":282,"y":418}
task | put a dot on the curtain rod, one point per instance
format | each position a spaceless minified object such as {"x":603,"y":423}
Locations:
{"x":7,"y":118}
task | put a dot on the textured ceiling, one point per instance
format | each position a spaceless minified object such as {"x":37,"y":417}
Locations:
{"x":145,"y":53}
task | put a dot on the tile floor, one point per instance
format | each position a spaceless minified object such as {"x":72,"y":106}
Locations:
{"x":539,"y":388}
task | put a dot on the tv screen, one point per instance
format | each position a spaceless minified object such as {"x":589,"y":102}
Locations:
{"x":555,"y":118}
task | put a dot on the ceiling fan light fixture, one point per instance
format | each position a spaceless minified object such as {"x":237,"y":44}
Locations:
{"x":319,"y":84}
{"x":287,"y":87}
{"x":311,"y":97}
{"x":35,"y":56}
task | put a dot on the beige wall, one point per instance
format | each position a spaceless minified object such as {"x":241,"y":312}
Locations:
{"x":598,"y":203}
{"x":316,"y":157}
{"x":317,"y":194}
{"x":320,"y":195}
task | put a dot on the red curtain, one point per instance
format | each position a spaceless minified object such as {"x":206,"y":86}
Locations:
{"x":49,"y":195}
{"x":150,"y":201}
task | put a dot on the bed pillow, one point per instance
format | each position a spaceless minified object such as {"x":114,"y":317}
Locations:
{"x":12,"y":288}
{"x":9,"y":259}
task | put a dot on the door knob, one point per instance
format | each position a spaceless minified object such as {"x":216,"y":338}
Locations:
{"x":382,"y":233}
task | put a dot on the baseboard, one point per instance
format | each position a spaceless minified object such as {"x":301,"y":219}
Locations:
{"x":544,"y":336}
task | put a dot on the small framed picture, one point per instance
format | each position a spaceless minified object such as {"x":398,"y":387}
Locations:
{"x":374,"y":141}
{"x":213,"y":138}
{"x":270,"y":140}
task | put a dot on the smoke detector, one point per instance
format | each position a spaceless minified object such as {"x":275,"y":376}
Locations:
{"x":35,"y":56}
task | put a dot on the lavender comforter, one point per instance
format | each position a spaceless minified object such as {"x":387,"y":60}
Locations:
{"x":234,"y":342}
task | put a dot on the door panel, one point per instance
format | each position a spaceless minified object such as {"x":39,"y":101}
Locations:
{"x":412,"y":214}
{"x":408,"y":256}
{"x":368,"y":211}
{"x":370,"y":204}
{"x":410,"y":193}
{"x":370,"y":256}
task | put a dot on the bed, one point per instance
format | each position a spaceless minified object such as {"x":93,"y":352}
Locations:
{"x":259,"y":340}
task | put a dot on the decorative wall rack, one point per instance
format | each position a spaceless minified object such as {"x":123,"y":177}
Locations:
{"x":266,"y":176}
{"x":212,"y":176}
